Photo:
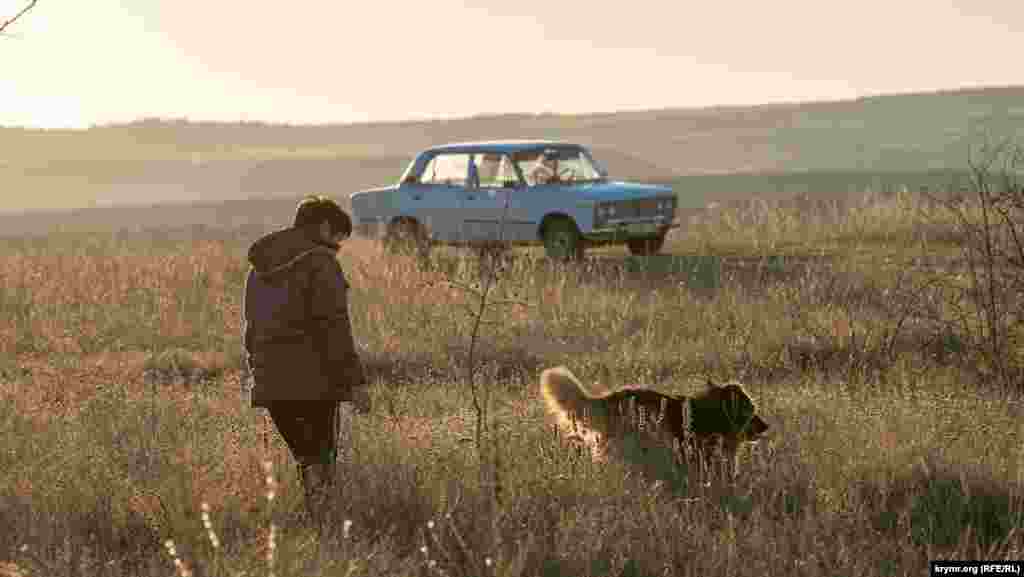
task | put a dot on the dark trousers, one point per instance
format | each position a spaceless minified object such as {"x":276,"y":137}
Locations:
{"x":309,"y":429}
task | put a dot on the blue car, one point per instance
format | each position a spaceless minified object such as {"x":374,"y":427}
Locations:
{"x":515,"y":192}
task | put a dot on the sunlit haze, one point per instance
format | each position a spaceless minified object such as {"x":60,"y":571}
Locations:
{"x":71,"y":63}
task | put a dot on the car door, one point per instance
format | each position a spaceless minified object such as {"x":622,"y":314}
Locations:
{"x":493,"y":183}
{"x":436,"y":198}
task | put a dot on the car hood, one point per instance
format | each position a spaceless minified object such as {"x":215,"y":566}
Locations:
{"x":616,"y":190}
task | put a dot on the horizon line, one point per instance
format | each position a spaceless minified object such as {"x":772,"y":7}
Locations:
{"x":495,"y":115}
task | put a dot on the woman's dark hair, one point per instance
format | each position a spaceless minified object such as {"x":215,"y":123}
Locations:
{"x":315,"y":209}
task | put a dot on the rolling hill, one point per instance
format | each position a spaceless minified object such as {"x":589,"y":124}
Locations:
{"x":827,"y":147}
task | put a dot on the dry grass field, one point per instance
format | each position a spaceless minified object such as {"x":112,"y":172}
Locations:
{"x":890,"y":443}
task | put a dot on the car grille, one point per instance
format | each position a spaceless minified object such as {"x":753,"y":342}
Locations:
{"x":646,"y":207}
{"x":639,"y":208}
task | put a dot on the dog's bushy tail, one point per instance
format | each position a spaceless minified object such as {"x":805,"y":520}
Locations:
{"x":563,"y":394}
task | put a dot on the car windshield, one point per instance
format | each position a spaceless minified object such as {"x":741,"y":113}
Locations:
{"x":558,"y":165}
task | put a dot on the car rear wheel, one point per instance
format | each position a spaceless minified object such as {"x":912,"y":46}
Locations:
{"x":646,"y":246}
{"x":562,"y":240}
{"x":406,"y":236}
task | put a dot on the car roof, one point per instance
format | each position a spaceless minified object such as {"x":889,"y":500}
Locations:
{"x":498,"y":146}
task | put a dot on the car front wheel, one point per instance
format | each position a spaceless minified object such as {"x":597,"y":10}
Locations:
{"x":562,"y":240}
{"x":646,"y":246}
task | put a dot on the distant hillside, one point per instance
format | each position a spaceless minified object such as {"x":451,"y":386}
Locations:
{"x":152,"y":161}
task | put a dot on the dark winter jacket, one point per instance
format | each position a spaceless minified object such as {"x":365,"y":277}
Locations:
{"x":297,"y":332}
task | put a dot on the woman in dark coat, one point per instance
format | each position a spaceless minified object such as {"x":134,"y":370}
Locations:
{"x":301,"y":355}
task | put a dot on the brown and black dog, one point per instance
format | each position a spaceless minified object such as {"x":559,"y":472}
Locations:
{"x":720,"y":418}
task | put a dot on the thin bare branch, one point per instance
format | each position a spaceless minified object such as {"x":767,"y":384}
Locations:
{"x":462,"y":286}
{"x":13,"y":19}
{"x":518,"y":302}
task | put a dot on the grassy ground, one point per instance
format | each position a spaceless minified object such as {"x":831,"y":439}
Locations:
{"x":122,"y":412}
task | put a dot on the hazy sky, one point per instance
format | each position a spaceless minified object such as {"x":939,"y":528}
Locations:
{"x":83,"y":62}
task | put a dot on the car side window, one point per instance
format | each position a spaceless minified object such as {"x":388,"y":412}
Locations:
{"x":494,"y":170}
{"x":574,"y":166}
{"x":451,"y":169}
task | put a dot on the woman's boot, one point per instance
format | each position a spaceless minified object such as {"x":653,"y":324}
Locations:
{"x":317,"y":483}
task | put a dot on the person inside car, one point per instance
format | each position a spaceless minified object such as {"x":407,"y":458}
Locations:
{"x":544,"y":171}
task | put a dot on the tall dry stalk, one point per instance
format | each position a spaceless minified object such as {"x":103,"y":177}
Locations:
{"x":485,"y":442}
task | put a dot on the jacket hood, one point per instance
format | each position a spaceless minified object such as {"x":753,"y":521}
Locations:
{"x":280,"y":250}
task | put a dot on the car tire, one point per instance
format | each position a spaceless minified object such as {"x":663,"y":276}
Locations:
{"x":405,"y":236}
{"x":646,"y":246}
{"x":562,"y":240}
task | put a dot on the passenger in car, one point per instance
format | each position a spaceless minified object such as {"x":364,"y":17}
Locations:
{"x":544,"y":172}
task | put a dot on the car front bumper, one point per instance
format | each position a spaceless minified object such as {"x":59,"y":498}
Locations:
{"x":637,"y":229}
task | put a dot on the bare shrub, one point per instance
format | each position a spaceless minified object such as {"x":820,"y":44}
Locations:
{"x":985,"y":286}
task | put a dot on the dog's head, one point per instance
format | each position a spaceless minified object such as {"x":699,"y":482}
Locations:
{"x":726,"y":411}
